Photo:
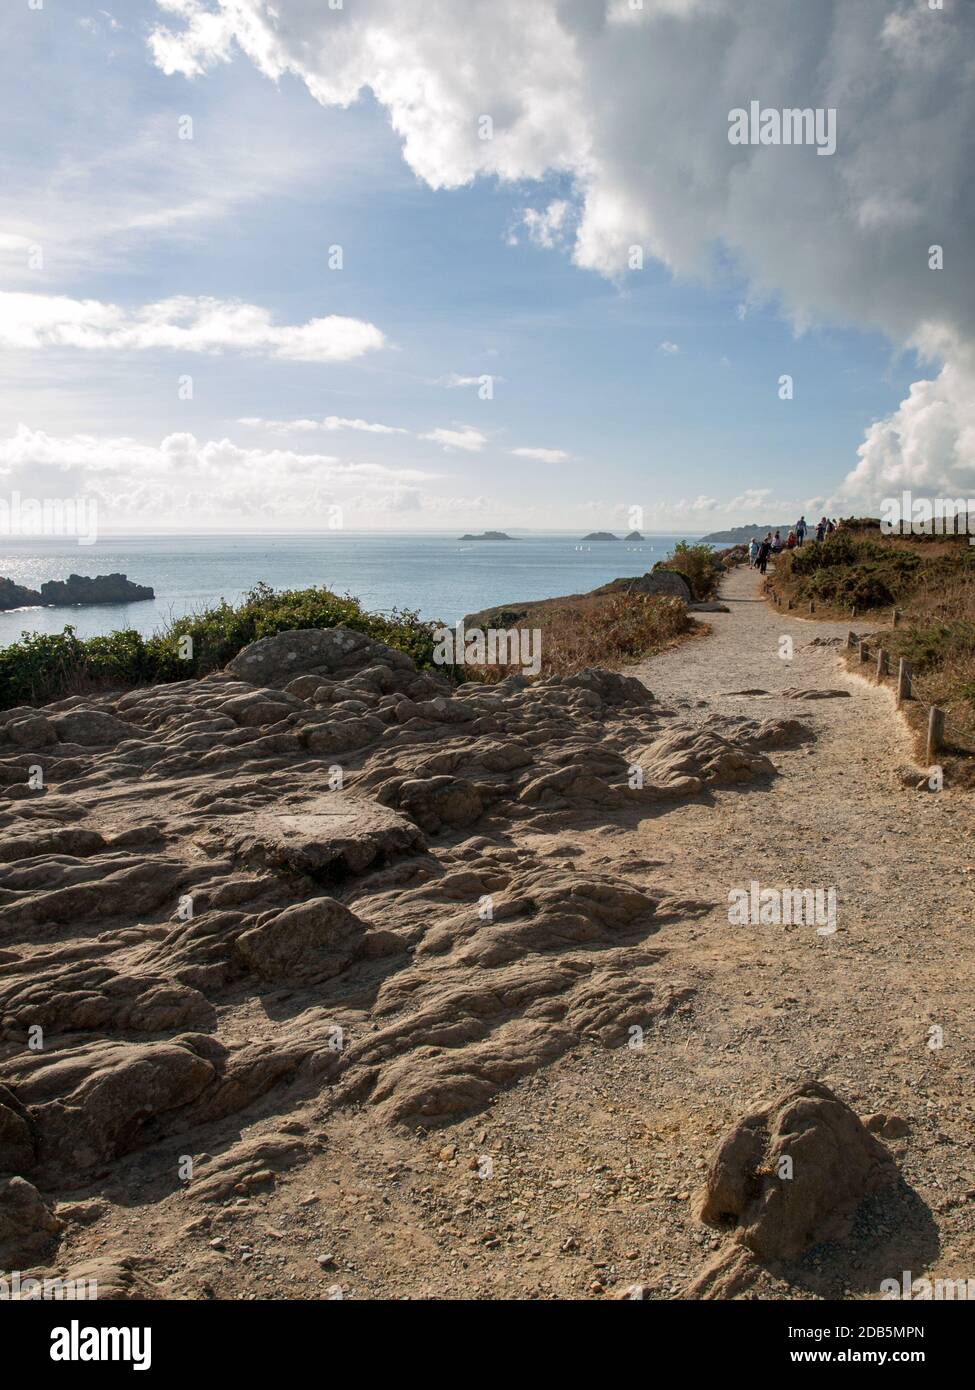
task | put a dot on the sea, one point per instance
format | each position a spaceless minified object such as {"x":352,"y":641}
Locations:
{"x":439,"y":576}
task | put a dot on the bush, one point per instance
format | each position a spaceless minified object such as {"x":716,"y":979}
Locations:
{"x":698,"y":566}
{"x":46,"y":666}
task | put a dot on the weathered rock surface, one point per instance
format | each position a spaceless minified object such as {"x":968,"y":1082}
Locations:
{"x":27,"y":1223}
{"x":666,"y":582}
{"x":318,"y":877}
{"x":793,"y":1173}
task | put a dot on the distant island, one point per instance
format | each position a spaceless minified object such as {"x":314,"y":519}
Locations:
{"x":601,"y":536}
{"x":76,"y":589}
{"x":633,"y":536}
{"x":490,"y":536}
{"x":739,"y":535}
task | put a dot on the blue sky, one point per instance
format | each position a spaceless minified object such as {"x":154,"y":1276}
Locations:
{"x":656,"y":388}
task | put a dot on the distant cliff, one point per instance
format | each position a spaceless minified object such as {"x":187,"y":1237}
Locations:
{"x":739,"y":535}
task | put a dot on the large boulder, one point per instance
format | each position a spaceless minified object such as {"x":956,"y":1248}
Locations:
{"x":793,"y":1173}
{"x":667,"y":583}
{"x":27,"y":1223}
{"x":91,"y":727}
{"x":333,"y":652}
{"x":331,"y":834}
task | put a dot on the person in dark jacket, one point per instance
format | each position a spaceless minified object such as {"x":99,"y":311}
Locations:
{"x":764,"y":551}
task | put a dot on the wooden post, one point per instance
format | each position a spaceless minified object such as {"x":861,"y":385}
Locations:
{"x":881,"y":665}
{"x":903,"y":681}
{"x":936,"y":733}
{"x":853,"y":611}
{"x":812,"y":605}
{"x":864,"y":652}
{"x":894,"y":617}
{"x":851,"y":639}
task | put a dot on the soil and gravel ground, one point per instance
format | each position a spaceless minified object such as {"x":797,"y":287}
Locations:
{"x":581,"y":1179}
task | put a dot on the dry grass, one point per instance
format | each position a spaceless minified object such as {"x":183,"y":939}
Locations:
{"x":612,"y":630}
{"x":931,"y":582}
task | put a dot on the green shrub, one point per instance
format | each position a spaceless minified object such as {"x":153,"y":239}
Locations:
{"x":46,"y":666}
{"x":698,"y":566}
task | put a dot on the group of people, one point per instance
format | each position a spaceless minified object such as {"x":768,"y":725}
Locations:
{"x":773,"y":544}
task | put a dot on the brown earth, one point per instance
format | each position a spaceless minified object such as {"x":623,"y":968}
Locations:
{"x":473,"y":1023}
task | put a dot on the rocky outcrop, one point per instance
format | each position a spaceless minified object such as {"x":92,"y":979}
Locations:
{"x":27,"y":1223}
{"x":317,"y":876}
{"x":659,"y":581}
{"x":103,"y":588}
{"x":17,"y":595}
{"x":793,"y":1173}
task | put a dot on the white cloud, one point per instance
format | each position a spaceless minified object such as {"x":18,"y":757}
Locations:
{"x":202,"y":324}
{"x":182,"y":478}
{"x":631,"y":107}
{"x":542,"y":455}
{"x":546,"y":227}
{"x":668,"y":348}
{"x":927,"y":445}
{"x":330,"y":424}
{"x":470,"y":440}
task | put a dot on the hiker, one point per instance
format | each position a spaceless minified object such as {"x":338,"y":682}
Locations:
{"x":821,"y":528}
{"x":764,"y":550}
{"x":830,"y":528}
{"x":776,"y":544}
{"x":753,"y":552}
{"x":800,"y":531}
{"x":791,"y":541}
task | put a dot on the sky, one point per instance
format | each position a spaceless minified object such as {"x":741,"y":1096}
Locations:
{"x":431,"y":266}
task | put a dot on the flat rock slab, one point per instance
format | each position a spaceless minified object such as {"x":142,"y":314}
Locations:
{"x":335,"y":833}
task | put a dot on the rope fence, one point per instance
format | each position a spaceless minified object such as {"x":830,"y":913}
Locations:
{"x":937,"y":717}
{"x":941,"y":731}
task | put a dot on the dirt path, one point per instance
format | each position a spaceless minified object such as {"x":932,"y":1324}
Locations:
{"x":598,"y":1159}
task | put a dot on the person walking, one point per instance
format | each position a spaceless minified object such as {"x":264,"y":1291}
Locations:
{"x":821,"y":528}
{"x":764,"y":550}
{"x":753,"y":552}
{"x":800,"y":531}
{"x":791,"y":542}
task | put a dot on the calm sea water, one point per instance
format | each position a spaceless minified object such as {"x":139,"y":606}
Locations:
{"x":442,"y":577}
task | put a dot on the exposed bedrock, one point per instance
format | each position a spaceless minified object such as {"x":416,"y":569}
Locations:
{"x":319,"y":877}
